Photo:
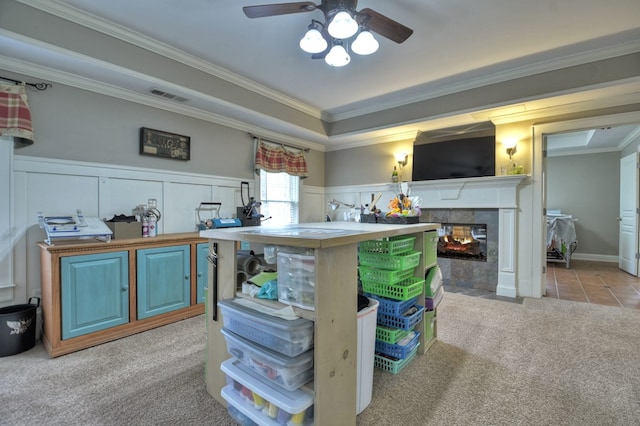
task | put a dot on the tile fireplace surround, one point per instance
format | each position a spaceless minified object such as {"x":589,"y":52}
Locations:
{"x":500,"y":193}
{"x":470,"y":272}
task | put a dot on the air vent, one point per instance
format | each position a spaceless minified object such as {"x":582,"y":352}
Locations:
{"x":167,"y":95}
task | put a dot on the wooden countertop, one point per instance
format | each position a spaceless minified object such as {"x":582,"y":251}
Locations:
{"x":317,"y":234}
{"x":92,"y":243}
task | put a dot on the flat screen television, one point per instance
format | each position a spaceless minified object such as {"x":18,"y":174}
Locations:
{"x":468,"y":156}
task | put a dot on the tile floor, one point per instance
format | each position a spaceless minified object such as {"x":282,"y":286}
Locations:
{"x":601,"y":283}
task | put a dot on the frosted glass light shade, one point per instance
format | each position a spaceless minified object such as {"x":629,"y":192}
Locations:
{"x":365,"y":44}
{"x":313,"y":42}
{"x":337,"y":56}
{"x":342,"y":25}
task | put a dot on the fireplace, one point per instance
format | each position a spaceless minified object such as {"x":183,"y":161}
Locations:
{"x":466,"y":241}
{"x":471,"y":236}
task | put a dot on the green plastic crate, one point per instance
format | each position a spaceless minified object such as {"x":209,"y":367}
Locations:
{"x":383,"y":276}
{"x":393,"y":365}
{"x":390,"y":335}
{"x":391,"y":245}
{"x":406,"y":289}
{"x":390,"y":262}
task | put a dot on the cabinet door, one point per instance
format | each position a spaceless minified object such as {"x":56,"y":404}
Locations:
{"x":163,"y":280}
{"x":202,"y":269}
{"x":94,"y":292}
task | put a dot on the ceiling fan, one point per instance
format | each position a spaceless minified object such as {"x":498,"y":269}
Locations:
{"x":342,"y":22}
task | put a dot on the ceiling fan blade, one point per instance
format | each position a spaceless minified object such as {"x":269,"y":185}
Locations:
{"x":386,"y":27}
{"x":278,"y":9}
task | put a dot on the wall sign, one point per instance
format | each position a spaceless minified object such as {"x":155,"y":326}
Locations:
{"x":164,"y":144}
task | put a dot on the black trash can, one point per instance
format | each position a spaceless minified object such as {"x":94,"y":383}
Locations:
{"x":18,"y":328}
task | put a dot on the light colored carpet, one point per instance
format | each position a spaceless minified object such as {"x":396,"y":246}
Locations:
{"x":545,"y":362}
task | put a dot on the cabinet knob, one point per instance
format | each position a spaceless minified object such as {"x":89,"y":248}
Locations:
{"x":199,"y":274}
{"x":125,"y":289}
{"x":186,"y":277}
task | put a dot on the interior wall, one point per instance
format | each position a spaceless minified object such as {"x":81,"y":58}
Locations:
{"x":367,"y":164}
{"x":75,"y":124}
{"x":588,"y":187}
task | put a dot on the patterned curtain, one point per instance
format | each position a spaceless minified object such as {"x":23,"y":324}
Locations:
{"x":15,"y":116}
{"x":279,"y":159}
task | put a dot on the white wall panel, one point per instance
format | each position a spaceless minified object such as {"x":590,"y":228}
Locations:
{"x":122,"y":195}
{"x":182,"y":200}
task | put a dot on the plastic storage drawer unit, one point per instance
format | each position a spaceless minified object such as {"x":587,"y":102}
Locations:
{"x":262,"y":402}
{"x":255,"y":322}
{"x":296,"y":280}
{"x":288,"y":372}
{"x":433,"y":281}
{"x":432,"y":302}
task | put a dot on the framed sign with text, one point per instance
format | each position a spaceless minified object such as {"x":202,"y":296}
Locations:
{"x":164,"y":144}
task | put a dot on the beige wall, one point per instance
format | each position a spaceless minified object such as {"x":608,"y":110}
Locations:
{"x":74,"y":124}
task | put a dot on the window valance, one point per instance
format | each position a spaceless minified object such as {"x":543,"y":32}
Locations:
{"x":278,"y":159}
{"x":15,"y":115}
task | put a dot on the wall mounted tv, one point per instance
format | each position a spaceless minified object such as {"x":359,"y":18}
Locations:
{"x":464,"y":157}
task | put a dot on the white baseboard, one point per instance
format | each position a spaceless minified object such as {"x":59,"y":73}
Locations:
{"x":595,"y":257}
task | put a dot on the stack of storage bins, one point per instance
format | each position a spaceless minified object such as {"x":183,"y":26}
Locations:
{"x":387,"y":269}
{"x":433,"y":289}
{"x":272,"y":360}
{"x":296,"y":286}
{"x":296,"y":279}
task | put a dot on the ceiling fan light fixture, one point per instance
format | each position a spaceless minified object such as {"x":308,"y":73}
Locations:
{"x":337,"y":56}
{"x":365,"y":43}
{"x":342,"y":25}
{"x":313,"y":42}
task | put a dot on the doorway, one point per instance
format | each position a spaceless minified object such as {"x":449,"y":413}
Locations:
{"x":541,"y":181}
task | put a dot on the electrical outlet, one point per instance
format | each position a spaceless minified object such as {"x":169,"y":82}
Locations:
{"x":36,"y":293}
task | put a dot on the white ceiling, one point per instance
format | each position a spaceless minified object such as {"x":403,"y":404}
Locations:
{"x":462,"y":43}
{"x":599,"y":139}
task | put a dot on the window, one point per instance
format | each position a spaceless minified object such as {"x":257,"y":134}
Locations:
{"x":280,"y":195}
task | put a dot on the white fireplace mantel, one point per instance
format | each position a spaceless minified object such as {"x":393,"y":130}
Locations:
{"x":493,"y":192}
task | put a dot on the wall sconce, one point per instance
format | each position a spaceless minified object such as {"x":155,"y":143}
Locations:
{"x":511,"y":144}
{"x":401,"y":158}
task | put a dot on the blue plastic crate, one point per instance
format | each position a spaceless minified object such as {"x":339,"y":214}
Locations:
{"x":398,"y":350}
{"x":391,"y":364}
{"x":391,"y":306}
{"x":403,"y":322}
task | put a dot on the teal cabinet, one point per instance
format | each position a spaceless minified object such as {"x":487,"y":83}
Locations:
{"x":202,"y":271}
{"x":94,"y":292}
{"x":163,"y":280}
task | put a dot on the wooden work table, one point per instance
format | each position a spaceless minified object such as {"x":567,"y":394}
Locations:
{"x":335,"y":331}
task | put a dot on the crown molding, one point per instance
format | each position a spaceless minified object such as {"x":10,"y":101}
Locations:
{"x":574,"y":152}
{"x":635,"y":134}
{"x":124,"y":34}
{"x":363,"y":140}
{"x":567,"y":108}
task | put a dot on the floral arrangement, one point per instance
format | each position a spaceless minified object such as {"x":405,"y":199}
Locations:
{"x":403,"y":204}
